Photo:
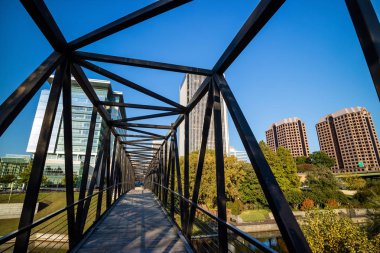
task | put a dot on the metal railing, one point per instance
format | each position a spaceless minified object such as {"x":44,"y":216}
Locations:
{"x":204,"y":235}
{"x":51,"y":234}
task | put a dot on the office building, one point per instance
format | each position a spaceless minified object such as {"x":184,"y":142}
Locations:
{"x":289,"y":133}
{"x":240,"y":155}
{"x":81,"y":118}
{"x":188,"y":88}
{"x":13,"y":164}
{"x":350,"y":138}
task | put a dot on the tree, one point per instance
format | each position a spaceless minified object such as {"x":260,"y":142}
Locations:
{"x":301,"y":160}
{"x":7,"y":179}
{"x":322,"y":186}
{"x":23,"y":176}
{"x":329,"y":232}
{"x":321,"y":159}
{"x":354,"y":183}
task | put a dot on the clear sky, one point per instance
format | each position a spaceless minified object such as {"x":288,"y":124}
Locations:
{"x":306,"y":62}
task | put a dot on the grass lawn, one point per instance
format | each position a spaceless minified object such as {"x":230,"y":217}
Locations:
{"x":50,"y":201}
{"x":254,"y":215}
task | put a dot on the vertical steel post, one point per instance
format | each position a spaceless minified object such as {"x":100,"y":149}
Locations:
{"x":31,"y":196}
{"x":68,"y":146}
{"x":220,"y":180}
{"x":172,"y":178}
{"x":186,"y":184}
{"x":179,"y":180}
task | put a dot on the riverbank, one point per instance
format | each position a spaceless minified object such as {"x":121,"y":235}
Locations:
{"x":357,"y":215}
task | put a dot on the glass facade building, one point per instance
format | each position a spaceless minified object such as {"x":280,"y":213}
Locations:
{"x":81,"y":118}
{"x":13,"y":164}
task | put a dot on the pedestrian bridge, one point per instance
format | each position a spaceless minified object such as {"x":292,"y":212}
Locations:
{"x":110,"y":215}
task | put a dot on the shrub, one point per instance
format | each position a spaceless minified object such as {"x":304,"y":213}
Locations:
{"x":329,"y":232}
{"x":332,"y":203}
{"x":307,"y":204}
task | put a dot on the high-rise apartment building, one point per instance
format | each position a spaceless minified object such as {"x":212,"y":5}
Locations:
{"x":196,"y":117}
{"x":289,"y":133}
{"x":350,"y":138}
{"x":81,"y":118}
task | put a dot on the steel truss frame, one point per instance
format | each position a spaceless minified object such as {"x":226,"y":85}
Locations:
{"x":118,"y":168}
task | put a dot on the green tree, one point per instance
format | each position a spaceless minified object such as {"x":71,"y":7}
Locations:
{"x":7,"y":179}
{"x":354,"y":183}
{"x":301,"y":160}
{"x":329,"y":232}
{"x":321,"y":159}
{"x":23,"y":176}
{"x":322,"y":186}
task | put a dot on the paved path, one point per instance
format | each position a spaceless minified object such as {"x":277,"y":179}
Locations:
{"x":136,"y":224}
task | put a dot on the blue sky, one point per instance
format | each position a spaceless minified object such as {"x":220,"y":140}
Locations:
{"x":306,"y":62}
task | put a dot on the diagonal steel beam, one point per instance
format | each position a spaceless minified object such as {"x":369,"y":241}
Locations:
{"x":34,"y":183}
{"x":154,"y":126}
{"x":144,"y":132}
{"x":256,"y":21}
{"x":139,"y":106}
{"x":14,"y":104}
{"x":127,"y":83}
{"x":46,"y":23}
{"x":142,"y":63}
{"x":129,"y":20}
{"x":367,"y":28}
{"x":290,"y":230}
{"x":150,"y":116}
{"x":201,"y":157}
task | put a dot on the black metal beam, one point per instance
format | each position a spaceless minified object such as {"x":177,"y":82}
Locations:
{"x":290,"y":230}
{"x":367,"y":28}
{"x":127,"y":83}
{"x":34,"y":183}
{"x":139,"y":106}
{"x":46,"y":23}
{"x":179,"y":180}
{"x":129,"y":20}
{"x":86,"y":168}
{"x":201,"y":157}
{"x":14,"y":104}
{"x":220,"y":178}
{"x":68,"y":146}
{"x":142,"y":63}
{"x":256,"y":21}
{"x":144,"y":132}
{"x":186,"y":176}
{"x":150,"y":116}
{"x":141,"y":136}
{"x":141,"y":125}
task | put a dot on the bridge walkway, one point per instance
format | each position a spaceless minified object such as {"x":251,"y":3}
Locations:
{"x":135,"y":224}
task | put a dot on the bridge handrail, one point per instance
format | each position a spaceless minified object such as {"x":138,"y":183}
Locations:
{"x":17,"y":232}
{"x":242,"y":234}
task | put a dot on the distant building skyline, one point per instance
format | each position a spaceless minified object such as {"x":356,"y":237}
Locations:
{"x":188,"y":88}
{"x":81,"y":119}
{"x":349,"y":136}
{"x":289,"y":133}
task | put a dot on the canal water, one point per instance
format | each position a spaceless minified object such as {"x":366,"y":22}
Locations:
{"x":272,"y":239}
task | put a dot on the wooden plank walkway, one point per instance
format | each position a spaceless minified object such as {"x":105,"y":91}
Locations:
{"x":136,"y":224}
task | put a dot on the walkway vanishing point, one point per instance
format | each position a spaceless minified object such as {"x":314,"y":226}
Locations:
{"x":135,"y":224}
